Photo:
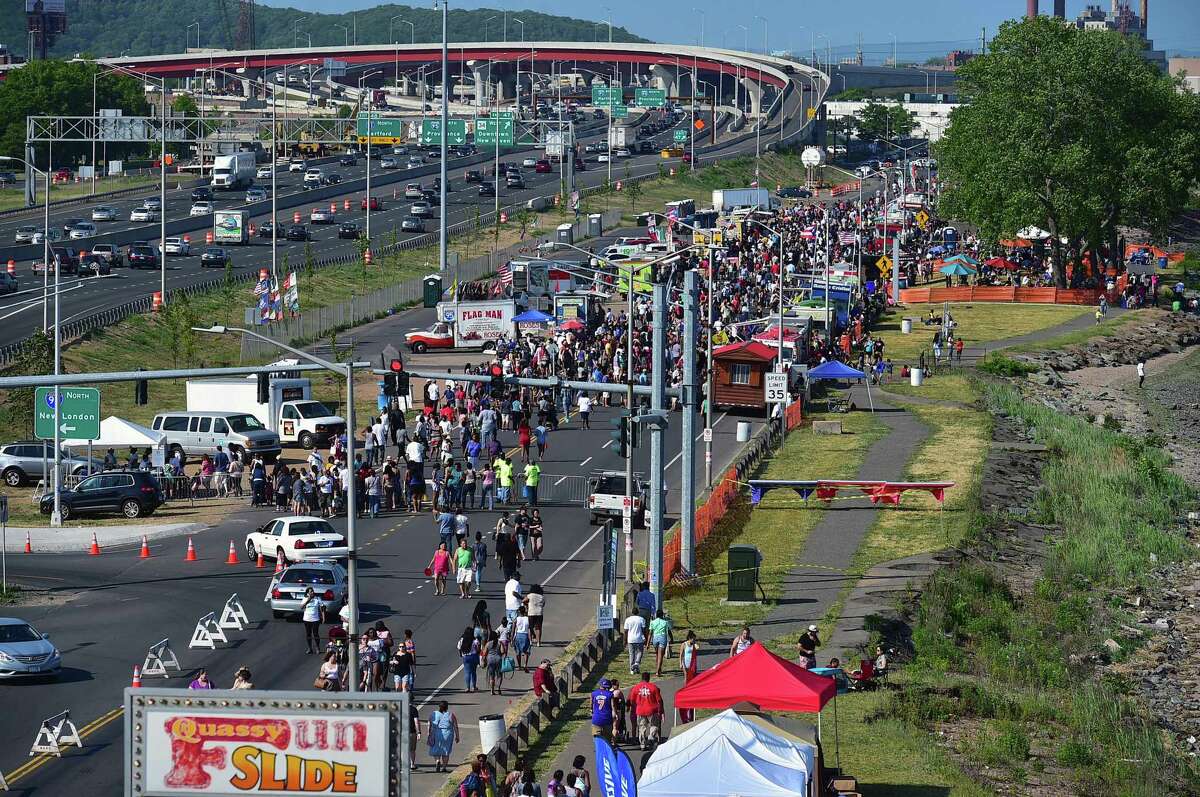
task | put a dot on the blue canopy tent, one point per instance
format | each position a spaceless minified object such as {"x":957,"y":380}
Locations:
{"x":533,"y":317}
{"x":834,"y":370}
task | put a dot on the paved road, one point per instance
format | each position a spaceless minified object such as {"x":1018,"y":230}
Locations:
{"x":21,"y":313}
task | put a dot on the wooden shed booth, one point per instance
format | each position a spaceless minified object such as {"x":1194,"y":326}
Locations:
{"x":738,"y":374}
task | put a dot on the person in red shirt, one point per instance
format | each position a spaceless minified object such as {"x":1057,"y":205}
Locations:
{"x":647,"y":703}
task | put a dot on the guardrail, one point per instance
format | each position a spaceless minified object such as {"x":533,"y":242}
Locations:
{"x":99,"y":196}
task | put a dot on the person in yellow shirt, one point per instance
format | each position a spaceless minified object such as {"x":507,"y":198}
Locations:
{"x":533,"y":474}
{"x":504,"y":478}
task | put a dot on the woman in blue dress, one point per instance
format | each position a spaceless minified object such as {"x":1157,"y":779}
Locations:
{"x":443,"y":734}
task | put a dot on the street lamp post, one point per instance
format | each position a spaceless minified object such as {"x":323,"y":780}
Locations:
{"x":442,"y":161}
{"x":485,"y":35}
{"x":187,"y":35}
{"x":347,"y":370}
{"x":700,"y":11}
{"x":370,"y":119}
{"x":346,"y":30}
{"x":522,"y":39}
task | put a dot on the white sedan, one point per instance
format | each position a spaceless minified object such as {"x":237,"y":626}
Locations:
{"x":201,"y":209}
{"x":295,"y":538}
{"x":529,"y":163}
{"x":177,"y":246}
{"x":83,"y":230}
{"x":143,"y":214}
{"x":321,"y":216}
{"x":104,"y":213}
{"x":264,"y":172}
{"x":602,"y":157}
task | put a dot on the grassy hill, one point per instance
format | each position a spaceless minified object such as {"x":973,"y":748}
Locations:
{"x":110,"y":27}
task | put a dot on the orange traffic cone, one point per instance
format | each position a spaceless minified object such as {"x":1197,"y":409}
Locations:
{"x":261,"y":563}
{"x":232,"y":558}
{"x":191,"y":552}
{"x":137,"y":677}
{"x":145,"y":553}
{"x":278,"y":564}
{"x":95,"y":549}
{"x":28,"y":543}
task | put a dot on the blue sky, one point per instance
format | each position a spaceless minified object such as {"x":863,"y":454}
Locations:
{"x":924,"y":27}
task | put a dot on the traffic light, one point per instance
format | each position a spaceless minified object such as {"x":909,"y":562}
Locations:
{"x":141,"y":392}
{"x":620,"y":435}
{"x":395,"y":365}
{"x":264,"y":388}
{"x":497,"y":383}
{"x":402,"y":388}
{"x":389,"y":385}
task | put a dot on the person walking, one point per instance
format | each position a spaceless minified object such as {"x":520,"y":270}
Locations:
{"x":493,"y":654}
{"x":442,"y":735}
{"x":585,"y":410}
{"x":689,"y":662}
{"x":806,"y":648}
{"x":742,"y":641}
{"x":481,"y":554}
{"x":1141,"y":371}
{"x":660,"y":639}
{"x":468,"y":648}
{"x":647,"y":702}
{"x":521,"y":638}
{"x":635,"y":641}
{"x":487,"y":486}
{"x":464,"y":560}
{"x":439,"y":568}
{"x":312,"y":611}
{"x":533,"y":475}
{"x":535,"y":607}
{"x":536,"y":530}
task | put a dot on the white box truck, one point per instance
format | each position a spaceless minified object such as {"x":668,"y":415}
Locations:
{"x":231,"y":227}
{"x":622,"y":136}
{"x":290,"y":411}
{"x":233,"y":172}
{"x":466,"y":325}
{"x":729,"y":198}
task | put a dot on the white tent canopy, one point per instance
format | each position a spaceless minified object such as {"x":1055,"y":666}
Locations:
{"x":720,"y":769}
{"x":119,"y":433}
{"x":745,"y":734}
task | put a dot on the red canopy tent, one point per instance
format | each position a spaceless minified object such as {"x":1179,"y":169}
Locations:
{"x":757,"y":676}
{"x":1002,"y":262}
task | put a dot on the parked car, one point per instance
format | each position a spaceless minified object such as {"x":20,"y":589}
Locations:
{"x":104,"y":213}
{"x":199,"y":433}
{"x":21,"y":462}
{"x":298,"y":232}
{"x":132,"y":493}
{"x":201,"y":209}
{"x":177,"y":246}
{"x":25,"y":653}
{"x":412,"y":224}
{"x":215,"y":256}
{"x":296,"y":538}
{"x":289,"y":587}
{"x":350,"y":230}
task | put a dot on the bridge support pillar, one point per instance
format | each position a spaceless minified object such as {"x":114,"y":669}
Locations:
{"x":754,"y":95}
{"x":482,"y":73}
{"x":664,"y":78}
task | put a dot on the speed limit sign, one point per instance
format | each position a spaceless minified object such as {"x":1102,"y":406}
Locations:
{"x":775,"y":386}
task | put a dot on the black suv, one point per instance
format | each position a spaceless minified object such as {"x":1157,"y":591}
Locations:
{"x":142,"y":257}
{"x":350,"y":230}
{"x":202,"y":194}
{"x":132,"y":493}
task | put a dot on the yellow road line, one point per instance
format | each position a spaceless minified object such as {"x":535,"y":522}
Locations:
{"x":42,"y":759}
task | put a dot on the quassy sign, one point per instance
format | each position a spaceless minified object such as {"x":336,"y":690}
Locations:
{"x":219,"y":752}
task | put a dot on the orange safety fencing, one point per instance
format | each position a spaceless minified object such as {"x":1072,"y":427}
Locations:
{"x":844,"y":188}
{"x":999,"y":294}
{"x":1172,"y":257}
{"x":794,"y":415}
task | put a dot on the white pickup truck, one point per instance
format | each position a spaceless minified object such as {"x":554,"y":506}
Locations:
{"x":606,"y":497}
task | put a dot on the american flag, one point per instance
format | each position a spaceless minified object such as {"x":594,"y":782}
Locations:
{"x":846,"y":237}
{"x":505,"y":273}
{"x":262,"y":286}
{"x":808,"y":233}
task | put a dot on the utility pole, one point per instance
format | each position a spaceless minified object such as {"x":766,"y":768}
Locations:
{"x":445,"y":116}
{"x":654,"y":559}
{"x":687,"y":484}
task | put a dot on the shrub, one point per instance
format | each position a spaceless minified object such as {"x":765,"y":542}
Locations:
{"x":998,"y":364}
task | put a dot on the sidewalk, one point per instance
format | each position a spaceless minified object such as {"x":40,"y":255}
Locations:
{"x":79,"y":539}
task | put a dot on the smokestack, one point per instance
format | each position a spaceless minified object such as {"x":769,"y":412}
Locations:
{"x":1116,"y":6}
{"x":1031,"y":8}
{"x":1146,"y":16}
{"x":1060,"y":9}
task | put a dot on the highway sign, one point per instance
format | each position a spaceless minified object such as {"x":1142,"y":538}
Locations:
{"x":381,"y":126}
{"x":486,"y":129}
{"x":620,"y":111}
{"x":431,"y":132}
{"x":78,"y":413}
{"x":604,"y":617}
{"x":607,"y":96}
{"x":681,"y":135}
{"x":776,"y":388}
{"x":649,"y":98}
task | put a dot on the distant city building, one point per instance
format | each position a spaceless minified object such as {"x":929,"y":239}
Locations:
{"x":1121,"y":17}
{"x":956,"y":58}
{"x":1189,"y":68}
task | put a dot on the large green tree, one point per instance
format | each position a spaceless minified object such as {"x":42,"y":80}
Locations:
{"x":1069,"y":130}
{"x":61,"y":88}
{"x":883,"y":120}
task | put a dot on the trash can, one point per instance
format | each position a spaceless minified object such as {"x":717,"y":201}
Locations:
{"x":491,"y":731}
{"x":906,"y":326}
{"x":916,"y":377}
{"x":595,"y":226}
{"x":566,"y":234}
{"x":743,"y":432}
{"x":743,"y":573}
{"x":432,"y":290}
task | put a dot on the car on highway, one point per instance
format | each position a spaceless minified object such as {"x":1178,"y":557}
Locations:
{"x":333,"y":178}
{"x":266,"y":228}
{"x":298,"y":232}
{"x":94,"y":265}
{"x":26,"y":233}
{"x":687,"y":157}
{"x":487,"y":189}
{"x":412,"y":191}
{"x":177,"y":246}
{"x":143,"y":214}
{"x":322,"y":216}
{"x":432,"y":196}
{"x":400,"y":150}
{"x":672,"y":152}
{"x":104,"y":213}
{"x":142,"y":256}
{"x":376,"y":203}
{"x":153,"y":202}
{"x":645,"y":147}
{"x":421,"y":209}
{"x":416,"y":162}
{"x":514,"y":181}
{"x":132,"y":493}
{"x":214,"y":257}
{"x":297,"y":165}
{"x":39,"y":237}
{"x":313,"y":177}
{"x":8,"y":283}
{"x":257,"y":195}
{"x":201,"y":209}
{"x":21,"y":462}
{"x":8,"y":178}
{"x":264,"y":172}
{"x":111,"y":253}
{"x":62,"y":175}
{"x":603,"y":157}
{"x":68,"y":259}
{"x":793,"y":192}
{"x":389,"y":162}
{"x":69,"y":224}
{"x":412,"y":224}
{"x":347,"y":160}
{"x":350,"y":230}
{"x":288,"y":587}
{"x":528,"y":163}
{"x":592,"y":147}
{"x":296,"y":538}
{"x":597,"y":114}
{"x":202,"y":194}
{"x":25,"y":653}
{"x":541,"y":166}
{"x":433,"y":153}
{"x":622,"y":152}
{"x":84,"y":229}
{"x":473,"y":176}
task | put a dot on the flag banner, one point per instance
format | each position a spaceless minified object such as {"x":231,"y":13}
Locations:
{"x":291,"y":296}
{"x":606,"y":767}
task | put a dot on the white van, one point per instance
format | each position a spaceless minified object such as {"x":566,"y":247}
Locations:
{"x":199,"y":433}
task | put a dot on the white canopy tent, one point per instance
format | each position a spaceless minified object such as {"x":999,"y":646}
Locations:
{"x":756,"y":738}
{"x":719,"y":769}
{"x":120,"y":434}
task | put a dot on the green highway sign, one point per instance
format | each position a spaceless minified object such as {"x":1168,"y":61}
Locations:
{"x":486,"y":129}
{"x":620,"y":111}
{"x":381,"y":126}
{"x":681,"y":135}
{"x":78,"y":413}
{"x":456,"y":132}
{"x":607,"y":95}
{"x":649,"y":98}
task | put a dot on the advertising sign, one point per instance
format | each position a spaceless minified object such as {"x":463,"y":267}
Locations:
{"x":247,"y":743}
{"x":570,"y":307}
{"x":649,"y":98}
{"x":229,"y":227}
{"x":456,"y":132}
{"x":78,"y":413}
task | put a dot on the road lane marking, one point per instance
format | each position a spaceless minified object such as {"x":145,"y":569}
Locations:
{"x":586,"y":461}
{"x":41,"y":759}
{"x":680,"y":454}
